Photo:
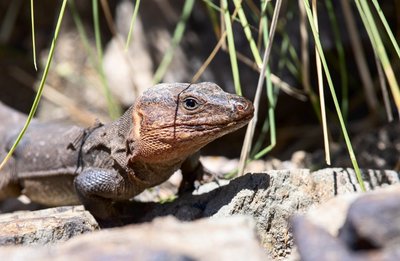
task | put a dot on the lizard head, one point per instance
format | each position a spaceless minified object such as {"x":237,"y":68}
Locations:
{"x":173,"y":121}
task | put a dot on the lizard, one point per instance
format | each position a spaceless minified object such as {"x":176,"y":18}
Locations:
{"x":58,"y":164}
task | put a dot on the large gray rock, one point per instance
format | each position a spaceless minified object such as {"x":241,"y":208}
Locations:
{"x":231,"y":238}
{"x":367,"y":227}
{"x":45,"y":226}
{"x":270,"y":198}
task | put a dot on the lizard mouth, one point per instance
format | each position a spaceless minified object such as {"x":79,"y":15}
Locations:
{"x":216,"y":127}
{"x":241,"y":114}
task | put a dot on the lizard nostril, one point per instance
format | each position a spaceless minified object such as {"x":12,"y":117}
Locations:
{"x":241,"y":105}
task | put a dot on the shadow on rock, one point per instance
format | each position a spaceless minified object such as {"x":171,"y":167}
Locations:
{"x":190,"y":207}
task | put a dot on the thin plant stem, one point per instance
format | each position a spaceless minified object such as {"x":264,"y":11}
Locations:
{"x":359,"y":56}
{"x":133,"y":20}
{"x":341,"y":58}
{"x":321,"y":89}
{"x":33,"y":35}
{"x":376,"y":40}
{"x":251,"y":126}
{"x":113,"y":110}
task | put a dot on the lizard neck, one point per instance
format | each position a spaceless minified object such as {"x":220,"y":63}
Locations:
{"x":149,"y":144}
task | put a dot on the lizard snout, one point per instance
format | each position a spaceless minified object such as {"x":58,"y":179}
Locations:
{"x":242,"y":106}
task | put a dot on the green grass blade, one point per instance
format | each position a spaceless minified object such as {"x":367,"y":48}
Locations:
{"x":215,"y":7}
{"x":40,"y":89}
{"x":387,"y":27}
{"x":231,"y":48}
{"x":271,"y":117}
{"x":82,"y":34}
{"x":379,"y":66}
{"x":247,"y":31}
{"x":261,"y":138}
{"x":96,"y":23}
{"x":335,"y":100}
{"x":341,"y":58}
{"x":290,"y":61}
{"x":271,"y":95}
{"x":133,"y":20}
{"x":283,"y":59}
{"x":113,"y":110}
{"x":33,"y":35}
{"x":376,"y":40}
{"x":269,"y":123}
{"x":212,"y":5}
{"x":177,"y":37}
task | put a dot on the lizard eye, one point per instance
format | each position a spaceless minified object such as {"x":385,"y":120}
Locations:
{"x":190,"y":104}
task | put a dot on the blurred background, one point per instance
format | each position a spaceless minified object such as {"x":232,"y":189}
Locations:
{"x":82,"y":87}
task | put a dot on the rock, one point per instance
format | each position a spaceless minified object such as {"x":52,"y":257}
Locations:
{"x":269,"y":198}
{"x":369,"y":228}
{"x":45,"y":226}
{"x":232,"y":238}
{"x":331,"y":214}
{"x":373,"y":221}
{"x":315,"y":244}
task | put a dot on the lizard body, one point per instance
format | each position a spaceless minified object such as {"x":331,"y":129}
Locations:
{"x":57,"y":164}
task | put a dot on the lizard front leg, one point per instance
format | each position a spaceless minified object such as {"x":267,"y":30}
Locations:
{"x":99,"y":188}
{"x":192,"y":171}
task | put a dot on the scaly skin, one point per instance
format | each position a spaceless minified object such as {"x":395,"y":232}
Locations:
{"x":62,"y":165}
